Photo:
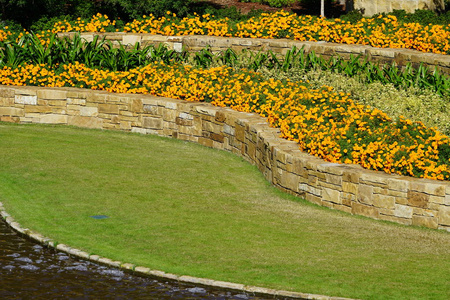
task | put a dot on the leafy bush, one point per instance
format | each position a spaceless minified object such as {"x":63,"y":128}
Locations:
{"x":273,"y":3}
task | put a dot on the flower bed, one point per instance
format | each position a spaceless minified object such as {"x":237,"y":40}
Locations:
{"x":324,"y":123}
{"x":377,"y":32}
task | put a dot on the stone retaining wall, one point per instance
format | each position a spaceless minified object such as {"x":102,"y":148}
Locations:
{"x":193,"y":43}
{"x":344,"y":187}
{"x":372,"y":7}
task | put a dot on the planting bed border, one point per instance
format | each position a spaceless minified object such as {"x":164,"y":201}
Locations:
{"x":349,"y":188}
{"x":192,"y":43}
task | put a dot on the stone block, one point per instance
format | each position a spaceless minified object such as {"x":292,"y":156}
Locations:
{"x":220,"y":116}
{"x":429,"y":222}
{"x":383,"y":201}
{"x":76,"y":101}
{"x":444,"y":215}
{"x":418,"y":199}
{"x":37,"y":109}
{"x":351,"y":176}
{"x":87,"y":122}
{"x":398,"y":185}
{"x":239,"y":133}
{"x":364,"y":210}
{"x":10,"y":119}
{"x":331,"y":195}
{"x":216,"y":137}
{"x":131,"y":39}
{"x":88,"y":111}
{"x":53,"y":119}
{"x":403,"y":211}
{"x":152,"y":123}
{"x":61,"y":103}
{"x":108,"y":109}
{"x":11,"y":111}
{"x":169,"y":115}
{"x":59,"y":94}
{"x":365,"y":194}
{"x":183,"y":122}
{"x":25,"y":99}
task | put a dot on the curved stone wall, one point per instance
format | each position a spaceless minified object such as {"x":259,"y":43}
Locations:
{"x":401,"y":57}
{"x":344,"y":187}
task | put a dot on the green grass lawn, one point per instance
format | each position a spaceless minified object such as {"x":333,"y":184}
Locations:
{"x":189,"y":210}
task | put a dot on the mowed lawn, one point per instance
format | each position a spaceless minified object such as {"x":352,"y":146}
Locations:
{"x":190,"y":210}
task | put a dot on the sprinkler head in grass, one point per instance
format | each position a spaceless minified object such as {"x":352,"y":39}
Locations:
{"x":99,"y":217}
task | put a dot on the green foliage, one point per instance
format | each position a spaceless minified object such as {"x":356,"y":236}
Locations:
{"x":96,"y":53}
{"x":273,"y":3}
{"x":421,"y":16}
{"x":353,"y":17}
{"x":137,"y":8}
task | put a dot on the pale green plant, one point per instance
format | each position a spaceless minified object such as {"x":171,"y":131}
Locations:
{"x":413,"y":103}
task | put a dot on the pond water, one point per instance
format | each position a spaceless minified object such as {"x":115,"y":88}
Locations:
{"x":28,"y":270}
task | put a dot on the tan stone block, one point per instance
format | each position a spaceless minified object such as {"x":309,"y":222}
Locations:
{"x":397,"y":194}
{"x":395,"y":219}
{"x":351,"y":176}
{"x":6,"y":92}
{"x":313,"y":198}
{"x":349,"y":187}
{"x":429,"y":222}
{"x":89,"y":111}
{"x":383,"y":201}
{"x":59,"y":94}
{"x":53,"y":119}
{"x":108,"y":109}
{"x":418,"y":199}
{"x":152,"y":123}
{"x":76,"y":101}
{"x":364,"y":210}
{"x":398,"y":185}
{"x":333,"y":179}
{"x":169,"y":115}
{"x":11,"y":111}
{"x":59,"y":110}
{"x":6,"y":101}
{"x":115,"y":119}
{"x":136,"y":105}
{"x":110,"y":126}
{"x":365,"y":194}
{"x":239,"y":133}
{"x":403,"y":211}
{"x":290,"y":181}
{"x":88,"y":122}
{"x":37,"y":109}
{"x":331,"y":195}
{"x":216,"y":137}
{"x":205,"y":142}
{"x":61,"y":103}
{"x":444,"y":215}
{"x":124,"y":125}
{"x":10,"y":119}
{"x":220,"y":116}
{"x":436,"y":199}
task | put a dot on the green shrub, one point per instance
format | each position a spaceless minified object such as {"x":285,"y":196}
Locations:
{"x":273,"y":3}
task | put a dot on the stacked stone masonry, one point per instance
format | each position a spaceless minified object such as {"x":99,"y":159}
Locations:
{"x":193,"y":43}
{"x":344,"y":187}
{"x":372,"y":7}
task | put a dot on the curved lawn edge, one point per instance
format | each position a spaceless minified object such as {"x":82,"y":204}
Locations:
{"x":144,"y":271}
{"x":349,"y":188}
